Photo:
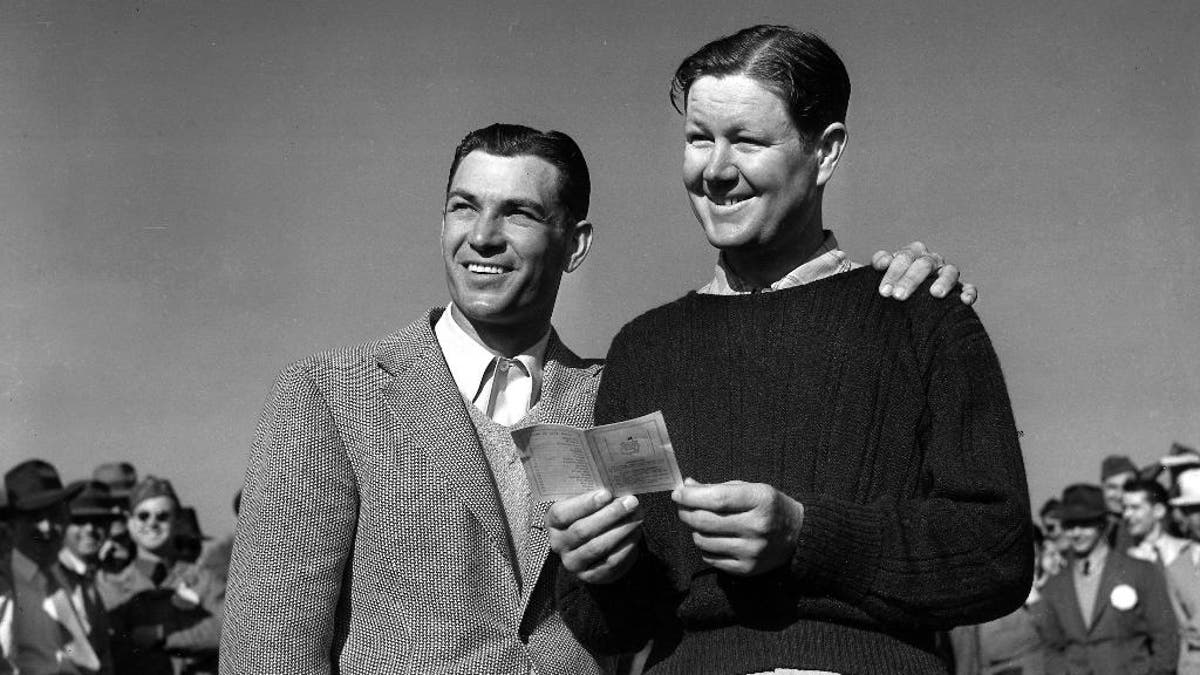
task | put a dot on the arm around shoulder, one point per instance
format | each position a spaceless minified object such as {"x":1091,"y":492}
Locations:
{"x":294,"y":536}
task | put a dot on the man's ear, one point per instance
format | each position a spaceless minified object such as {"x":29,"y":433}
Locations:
{"x":828,"y":151}
{"x":1159,"y":511}
{"x":579,"y":245}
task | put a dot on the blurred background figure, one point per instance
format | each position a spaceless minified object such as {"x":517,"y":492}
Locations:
{"x":1115,"y":470}
{"x":165,"y":612}
{"x":117,"y":550}
{"x":6,"y":590}
{"x":1054,"y":546}
{"x":90,"y":513}
{"x":1010,"y":645}
{"x":189,"y":539}
{"x":51,"y":632}
{"x":216,"y":558}
{"x":1145,"y":512}
{"x":1183,"y":575}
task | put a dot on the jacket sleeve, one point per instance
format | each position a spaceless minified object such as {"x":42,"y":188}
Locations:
{"x":294,"y":536}
{"x":962,"y":550}
{"x":1049,"y":626}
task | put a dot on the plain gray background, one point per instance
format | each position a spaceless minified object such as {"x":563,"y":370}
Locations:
{"x":194,"y":194}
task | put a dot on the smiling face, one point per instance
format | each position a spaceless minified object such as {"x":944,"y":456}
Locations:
{"x":753,"y":185}
{"x":151,"y":524}
{"x":1141,"y":514}
{"x":506,"y":241}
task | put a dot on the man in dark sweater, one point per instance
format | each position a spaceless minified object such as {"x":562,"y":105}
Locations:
{"x":858,"y":481}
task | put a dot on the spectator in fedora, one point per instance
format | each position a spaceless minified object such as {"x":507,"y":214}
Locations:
{"x":1105,"y":613}
{"x":166,"y":613}
{"x":50,"y":632}
{"x":1184,"y":571}
{"x":90,"y":512}
{"x":117,"y":550}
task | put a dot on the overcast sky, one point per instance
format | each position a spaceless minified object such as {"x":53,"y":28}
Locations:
{"x":194,"y":194}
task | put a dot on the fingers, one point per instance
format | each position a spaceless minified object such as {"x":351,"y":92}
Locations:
{"x":969,"y":294}
{"x":566,"y":511}
{"x":731,"y":497}
{"x":898,"y":266}
{"x":594,"y":535}
{"x":881,"y":260}
{"x":946,"y":278}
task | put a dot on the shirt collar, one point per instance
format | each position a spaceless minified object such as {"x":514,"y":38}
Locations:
{"x":826,"y":261}
{"x":470,"y":362}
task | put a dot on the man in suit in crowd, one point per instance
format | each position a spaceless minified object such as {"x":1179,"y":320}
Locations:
{"x":91,"y":514}
{"x":1105,"y":613}
{"x":52,"y":632}
{"x":166,"y":613}
{"x":386,"y":524}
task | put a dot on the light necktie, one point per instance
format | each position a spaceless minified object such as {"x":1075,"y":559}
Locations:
{"x":503,"y":407}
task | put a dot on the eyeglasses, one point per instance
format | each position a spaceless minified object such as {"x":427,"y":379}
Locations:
{"x":158,"y":516}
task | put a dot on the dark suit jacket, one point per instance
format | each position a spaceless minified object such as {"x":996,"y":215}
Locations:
{"x":1135,"y":641}
{"x":371,"y":537}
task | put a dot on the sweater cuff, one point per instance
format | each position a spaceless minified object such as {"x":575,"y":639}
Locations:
{"x":838,"y":548}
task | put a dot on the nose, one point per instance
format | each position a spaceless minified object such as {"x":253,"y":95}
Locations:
{"x":720,"y":168}
{"x":487,"y":233}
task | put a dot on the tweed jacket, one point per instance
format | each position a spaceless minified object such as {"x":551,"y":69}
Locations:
{"x":49,"y":634}
{"x":1135,"y":640}
{"x":371,"y":537}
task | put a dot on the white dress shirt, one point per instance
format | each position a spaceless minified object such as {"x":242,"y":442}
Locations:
{"x":473,"y":367}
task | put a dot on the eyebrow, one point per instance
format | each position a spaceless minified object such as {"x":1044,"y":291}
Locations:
{"x":510,"y":203}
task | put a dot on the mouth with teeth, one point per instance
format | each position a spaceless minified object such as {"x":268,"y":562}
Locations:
{"x":729,"y":200}
{"x":480,"y":268}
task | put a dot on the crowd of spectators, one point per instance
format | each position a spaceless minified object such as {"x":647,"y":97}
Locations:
{"x":110,"y":574}
{"x":1117,"y":584}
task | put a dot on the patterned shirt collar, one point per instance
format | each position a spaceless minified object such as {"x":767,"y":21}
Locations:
{"x":827,"y":261}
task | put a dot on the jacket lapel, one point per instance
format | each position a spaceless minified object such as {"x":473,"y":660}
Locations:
{"x":434,"y":420}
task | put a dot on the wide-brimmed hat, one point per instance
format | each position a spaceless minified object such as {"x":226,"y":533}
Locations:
{"x":34,"y":484}
{"x":1083,"y":502}
{"x":1188,"y":483}
{"x":1116,"y":464}
{"x":120,"y":477}
{"x":93,"y":499}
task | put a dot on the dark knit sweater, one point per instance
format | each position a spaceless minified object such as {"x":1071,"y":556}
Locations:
{"x":889,"y":421}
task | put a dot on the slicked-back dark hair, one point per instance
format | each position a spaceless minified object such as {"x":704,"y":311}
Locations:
{"x":557,"y":148}
{"x":1154,"y":490}
{"x":798,"y":67}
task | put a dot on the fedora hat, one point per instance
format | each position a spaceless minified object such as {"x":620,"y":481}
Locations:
{"x":93,"y":499}
{"x":1188,"y":483}
{"x":34,"y":484}
{"x":1083,"y":502}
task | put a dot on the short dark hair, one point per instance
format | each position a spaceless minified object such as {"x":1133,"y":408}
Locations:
{"x":1154,"y":490}
{"x":557,"y":148}
{"x":1052,"y":508}
{"x":798,"y":67}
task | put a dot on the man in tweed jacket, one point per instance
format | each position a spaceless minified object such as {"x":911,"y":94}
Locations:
{"x":378,"y":530}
